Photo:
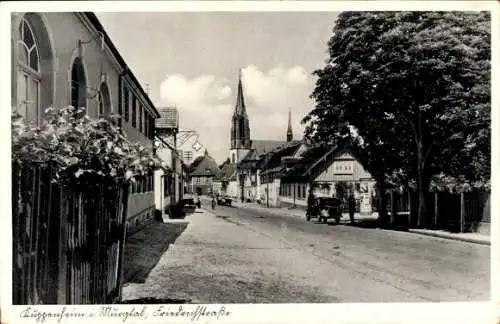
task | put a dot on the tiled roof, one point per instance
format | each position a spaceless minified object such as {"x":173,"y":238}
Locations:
{"x":169,"y":118}
{"x":263,"y":146}
{"x":228,"y":172}
{"x":309,"y":159}
{"x":207,"y":167}
{"x":274,"y":159}
{"x":260,"y":147}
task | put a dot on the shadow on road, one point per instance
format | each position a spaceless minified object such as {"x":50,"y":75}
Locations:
{"x":144,"y":249}
{"x":365,"y":223}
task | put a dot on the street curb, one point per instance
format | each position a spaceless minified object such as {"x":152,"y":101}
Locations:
{"x":448,"y":237}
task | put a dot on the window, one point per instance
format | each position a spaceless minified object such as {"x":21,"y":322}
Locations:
{"x":234,"y":158}
{"x":126,"y":107}
{"x":141,"y":112}
{"x":104,"y":100}
{"x":242,"y":128}
{"x":29,"y":75}
{"x":152,"y":129}
{"x":78,"y":84}
{"x":146,"y":124}
{"x":134,"y":112}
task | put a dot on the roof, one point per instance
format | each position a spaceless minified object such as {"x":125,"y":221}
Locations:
{"x":240,"y":109}
{"x":264,"y":146}
{"x":274,"y":159}
{"x":169,"y":118}
{"x":309,"y":160}
{"x":97,"y":24}
{"x":228,"y":172}
{"x":207,"y":167}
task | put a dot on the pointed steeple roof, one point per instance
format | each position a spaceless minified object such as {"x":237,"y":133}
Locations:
{"x":289,"y":132}
{"x":240,"y":109}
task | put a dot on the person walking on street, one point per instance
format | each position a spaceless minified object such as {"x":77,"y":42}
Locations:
{"x":310,"y":205}
{"x":351,"y":203}
{"x":214,"y":202}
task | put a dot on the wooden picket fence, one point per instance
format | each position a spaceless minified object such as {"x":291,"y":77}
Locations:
{"x":454,"y":212}
{"x":68,"y":240}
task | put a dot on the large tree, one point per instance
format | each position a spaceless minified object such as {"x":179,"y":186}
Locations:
{"x":415,"y":87}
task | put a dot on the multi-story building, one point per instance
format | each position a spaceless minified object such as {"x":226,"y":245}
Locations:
{"x":170,"y":183}
{"x":203,"y":174}
{"x":66,"y":58}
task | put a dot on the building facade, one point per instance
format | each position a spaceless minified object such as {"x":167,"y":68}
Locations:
{"x":171,"y":181}
{"x":203,"y":176}
{"x":66,"y":58}
{"x":334,"y":172}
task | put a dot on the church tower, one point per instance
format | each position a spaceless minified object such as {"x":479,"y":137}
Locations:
{"x":289,"y":133}
{"x":240,"y":128}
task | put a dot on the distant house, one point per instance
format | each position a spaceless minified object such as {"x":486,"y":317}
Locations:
{"x":226,"y":183}
{"x":332,"y":172}
{"x":272,"y":165}
{"x":250,"y":167}
{"x":203,"y":174}
{"x":169,"y":182}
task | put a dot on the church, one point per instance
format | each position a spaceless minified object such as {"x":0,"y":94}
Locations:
{"x":241,"y":177}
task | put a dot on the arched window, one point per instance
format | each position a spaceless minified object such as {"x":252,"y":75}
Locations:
{"x":78,"y":84}
{"x":242,"y":128}
{"x":29,"y":74}
{"x":104,"y":100}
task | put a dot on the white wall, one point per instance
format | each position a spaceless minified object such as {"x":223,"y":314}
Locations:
{"x":159,"y":187}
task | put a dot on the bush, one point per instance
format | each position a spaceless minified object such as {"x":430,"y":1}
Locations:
{"x":79,"y":147}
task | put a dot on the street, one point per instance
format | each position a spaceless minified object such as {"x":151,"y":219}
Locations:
{"x":242,"y":256}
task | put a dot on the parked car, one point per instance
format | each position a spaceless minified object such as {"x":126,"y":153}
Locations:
{"x":224,"y":200}
{"x":188,"y":205}
{"x":325,"y":208}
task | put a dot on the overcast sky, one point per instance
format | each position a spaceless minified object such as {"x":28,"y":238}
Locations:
{"x":191,"y":61}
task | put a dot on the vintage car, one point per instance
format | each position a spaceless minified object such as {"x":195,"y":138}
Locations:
{"x":325,"y":208}
{"x":224,"y":200}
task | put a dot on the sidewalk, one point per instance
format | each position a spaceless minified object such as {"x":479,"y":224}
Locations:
{"x":477,"y":238}
{"x":465,"y":237}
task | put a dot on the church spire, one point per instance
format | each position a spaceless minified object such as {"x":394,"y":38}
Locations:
{"x":289,"y":133}
{"x":240,"y":109}
{"x":240,"y":128}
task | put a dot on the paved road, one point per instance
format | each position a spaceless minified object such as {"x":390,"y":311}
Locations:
{"x":409,"y":265}
{"x":242,"y":256}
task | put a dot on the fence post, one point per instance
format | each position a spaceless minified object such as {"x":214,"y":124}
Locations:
{"x":409,"y":207}
{"x":436,"y":210}
{"x":62,"y":253}
{"x":392,"y":206}
{"x":125,"y":193}
{"x":462,"y":212}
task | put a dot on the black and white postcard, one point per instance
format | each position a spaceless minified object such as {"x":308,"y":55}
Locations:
{"x":241,"y":162}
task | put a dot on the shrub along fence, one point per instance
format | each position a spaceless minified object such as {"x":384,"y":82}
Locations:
{"x":68,"y":239}
{"x":454,"y":212}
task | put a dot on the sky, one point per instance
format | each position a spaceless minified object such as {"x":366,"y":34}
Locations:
{"x":191,"y":60}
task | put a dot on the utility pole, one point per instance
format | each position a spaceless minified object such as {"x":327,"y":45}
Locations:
{"x":267,"y":179}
